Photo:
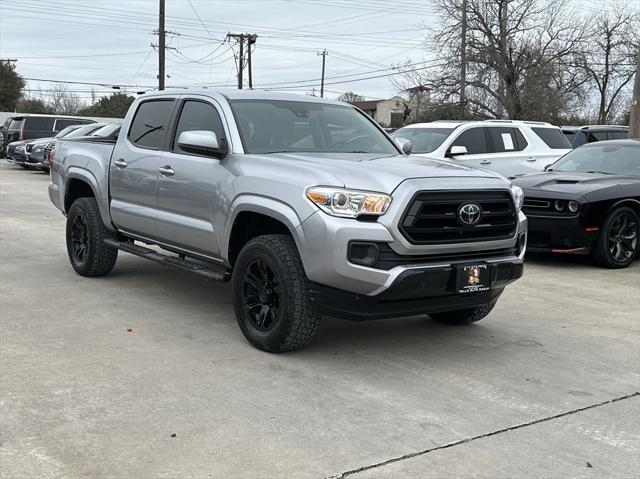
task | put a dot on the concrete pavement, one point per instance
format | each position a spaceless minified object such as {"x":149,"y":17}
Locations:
{"x":81,"y":396}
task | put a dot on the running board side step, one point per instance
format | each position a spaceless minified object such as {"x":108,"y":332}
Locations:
{"x":167,"y":260}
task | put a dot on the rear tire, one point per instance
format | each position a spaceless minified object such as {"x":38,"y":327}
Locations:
{"x":271,"y":295}
{"x":87,"y":252}
{"x":618,"y":244}
{"x":463,"y":316}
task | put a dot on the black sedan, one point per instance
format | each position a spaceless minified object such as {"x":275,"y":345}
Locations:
{"x":587,"y":202}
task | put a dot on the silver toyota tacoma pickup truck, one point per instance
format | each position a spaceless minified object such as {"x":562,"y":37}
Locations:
{"x":305,"y":204}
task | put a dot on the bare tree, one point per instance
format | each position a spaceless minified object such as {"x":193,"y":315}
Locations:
{"x":63,"y":102}
{"x":520,"y":57}
{"x":350,"y":97}
{"x":609,"y":61}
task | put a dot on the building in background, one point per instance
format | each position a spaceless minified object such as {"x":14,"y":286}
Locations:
{"x":393,"y":112}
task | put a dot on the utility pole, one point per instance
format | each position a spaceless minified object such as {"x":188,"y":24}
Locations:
{"x":240,"y":38}
{"x":161,"y":47}
{"x":634,"y":121}
{"x":251,"y":40}
{"x":324,"y":54}
{"x":463,"y":61}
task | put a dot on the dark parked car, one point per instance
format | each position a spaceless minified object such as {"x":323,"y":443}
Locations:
{"x":588,"y":202}
{"x":29,"y":127}
{"x":581,"y":135}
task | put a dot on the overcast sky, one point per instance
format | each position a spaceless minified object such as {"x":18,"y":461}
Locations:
{"x":110,"y":41}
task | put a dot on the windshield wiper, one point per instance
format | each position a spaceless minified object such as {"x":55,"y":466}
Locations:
{"x":601,"y":172}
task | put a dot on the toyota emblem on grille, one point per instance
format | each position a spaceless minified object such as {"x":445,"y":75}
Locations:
{"x":469,"y":214}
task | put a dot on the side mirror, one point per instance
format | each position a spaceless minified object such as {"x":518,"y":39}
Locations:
{"x":456,"y":150}
{"x":548,"y":167}
{"x":201,"y":142}
{"x":404,"y":144}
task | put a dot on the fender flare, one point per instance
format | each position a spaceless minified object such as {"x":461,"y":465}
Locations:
{"x":624,"y":200}
{"x":76,"y":173}
{"x":264,"y":205}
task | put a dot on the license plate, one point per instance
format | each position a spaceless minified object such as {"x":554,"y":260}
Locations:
{"x":473,"y":278}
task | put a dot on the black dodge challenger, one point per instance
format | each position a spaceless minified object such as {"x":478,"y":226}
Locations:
{"x":587,"y":202}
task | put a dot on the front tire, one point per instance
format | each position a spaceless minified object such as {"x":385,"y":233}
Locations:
{"x":618,"y":244}
{"x":270,"y":295}
{"x":87,"y":252}
{"x":463,"y":316}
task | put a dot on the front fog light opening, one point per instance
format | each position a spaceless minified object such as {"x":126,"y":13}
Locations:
{"x":574,"y":206}
{"x":363,"y":253}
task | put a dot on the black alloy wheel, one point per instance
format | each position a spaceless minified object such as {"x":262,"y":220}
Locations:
{"x":622,"y":240}
{"x":618,"y":244}
{"x":261,"y":295}
{"x":79,"y":239}
{"x":271,"y":297}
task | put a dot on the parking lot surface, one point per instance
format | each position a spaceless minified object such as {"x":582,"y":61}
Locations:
{"x":144,"y":373}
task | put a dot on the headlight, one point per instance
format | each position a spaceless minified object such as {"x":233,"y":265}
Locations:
{"x":348,"y":203}
{"x":558,"y":205}
{"x":574,"y":206}
{"x":518,"y":196}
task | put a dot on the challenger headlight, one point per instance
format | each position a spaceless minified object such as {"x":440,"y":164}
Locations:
{"x":518,"y":196}
{"x":348,"y":203}
{"x":573,"y":206}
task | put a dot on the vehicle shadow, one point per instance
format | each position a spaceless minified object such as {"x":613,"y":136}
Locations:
{"x":559,"y":260}
{"x":417,"y":334}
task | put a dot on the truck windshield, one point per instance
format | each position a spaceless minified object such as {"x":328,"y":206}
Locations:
{"x":276,"y":126}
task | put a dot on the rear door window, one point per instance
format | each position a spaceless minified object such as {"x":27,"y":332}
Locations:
{"x":38,"y":123}
{"x":474,"y":140}
{"x":596,"y":136}
{"x":506,"y":139}
{"x":553,"y":138}
{"x":149,"y":126}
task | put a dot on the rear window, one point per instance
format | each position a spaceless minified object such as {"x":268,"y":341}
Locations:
{"x":38,"y":123}
{"x":62,"y":123}
{"x":553,"y":138}
{"x":149,"y":126}
{"x":618,"y":135}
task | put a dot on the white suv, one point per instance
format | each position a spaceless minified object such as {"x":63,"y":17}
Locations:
{"x":509,"y":147}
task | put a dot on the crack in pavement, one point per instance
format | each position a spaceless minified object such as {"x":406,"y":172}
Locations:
{"x":488,"y":434}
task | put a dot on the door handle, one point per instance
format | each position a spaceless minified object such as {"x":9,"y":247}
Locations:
{"x":120,"y":163}
{"x":485,"y":162}
{"x":167,"y":171}
{"x":531,"y":159}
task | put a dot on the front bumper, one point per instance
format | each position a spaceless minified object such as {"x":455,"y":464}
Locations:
{"x":323,"y":242}
{"x":415,"y":291}
{"x":559,"y":235}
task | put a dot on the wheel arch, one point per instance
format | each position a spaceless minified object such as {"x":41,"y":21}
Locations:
{"x":253,"y":216}
{"x":81,"y":183}
{"x":600,"y":210}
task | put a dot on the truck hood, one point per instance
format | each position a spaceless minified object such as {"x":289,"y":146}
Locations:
{"x":368,"y":171}
{"x":572,"y":183}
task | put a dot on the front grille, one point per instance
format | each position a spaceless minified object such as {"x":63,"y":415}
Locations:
{"x":432,"y":217}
